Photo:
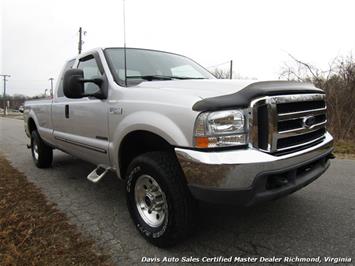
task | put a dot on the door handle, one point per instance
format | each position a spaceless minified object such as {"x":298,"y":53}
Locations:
{"x":67,"y":111}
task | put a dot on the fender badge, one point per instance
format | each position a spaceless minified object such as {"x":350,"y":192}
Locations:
{"x":116,"y":110}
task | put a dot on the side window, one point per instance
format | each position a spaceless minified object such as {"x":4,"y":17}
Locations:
{"x":91,"y":70}
{"x":60,"y":86}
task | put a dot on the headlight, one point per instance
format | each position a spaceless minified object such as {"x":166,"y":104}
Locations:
{"x":220,"y":129}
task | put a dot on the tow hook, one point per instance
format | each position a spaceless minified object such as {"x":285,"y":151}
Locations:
{"x":277,"y":181}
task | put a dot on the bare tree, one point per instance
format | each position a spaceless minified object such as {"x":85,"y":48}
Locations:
{"x":338,"y":81}
{"x":221,"y":74}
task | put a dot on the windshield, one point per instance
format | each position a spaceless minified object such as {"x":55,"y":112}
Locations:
{"x":148,"y":65}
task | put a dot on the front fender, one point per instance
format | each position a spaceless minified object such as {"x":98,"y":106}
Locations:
{"x":29,"y":114}
{"x":153,"y":122}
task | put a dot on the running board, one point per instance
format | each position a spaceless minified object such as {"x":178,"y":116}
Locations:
{"x":98,"y":173}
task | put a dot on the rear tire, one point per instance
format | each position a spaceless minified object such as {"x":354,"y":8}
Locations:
{"x":158,"y":199}
{"x":42,"y":154}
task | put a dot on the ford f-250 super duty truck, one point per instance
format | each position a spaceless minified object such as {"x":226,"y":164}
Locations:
{"x":175,"y":134}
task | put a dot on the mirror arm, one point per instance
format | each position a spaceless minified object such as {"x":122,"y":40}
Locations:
{"x":98,"y":95}
{"x":97,"y":81}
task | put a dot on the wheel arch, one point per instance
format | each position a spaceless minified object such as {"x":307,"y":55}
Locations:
{"x":143,"y":141}
{"x":31,"y":125}
{"x":155,"y":130}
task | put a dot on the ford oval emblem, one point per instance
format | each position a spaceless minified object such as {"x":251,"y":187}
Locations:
{"x":309,"y":121}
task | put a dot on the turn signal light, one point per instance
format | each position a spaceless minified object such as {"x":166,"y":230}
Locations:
{"x":201,"y":142}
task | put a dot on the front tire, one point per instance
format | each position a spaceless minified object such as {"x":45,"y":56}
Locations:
{"x":42,"y":154}
{"x":158,"y":199}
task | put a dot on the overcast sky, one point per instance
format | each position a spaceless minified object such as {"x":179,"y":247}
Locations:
{"x":37,"y":36}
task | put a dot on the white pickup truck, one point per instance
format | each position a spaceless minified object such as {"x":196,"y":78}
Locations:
{"x":175,"y":134}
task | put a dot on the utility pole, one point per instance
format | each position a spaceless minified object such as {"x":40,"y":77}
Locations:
{"x":4,"y":98}
{"x":51,"y":79}
{"x":231,"y":70}
{"x":80,"y":46}
{"x":81,"y":42}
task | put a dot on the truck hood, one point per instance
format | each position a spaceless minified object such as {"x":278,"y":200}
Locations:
{"x":222,"y":94}
{"x":201,"y":88}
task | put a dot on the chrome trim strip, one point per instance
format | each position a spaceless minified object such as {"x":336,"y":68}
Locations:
{"x":298,"y":97}
{"x":272,"y":116}
{"x":253,"y":121}
{"x":300,"y":131}
{"x":89,"y":147}
{"x":300,"y":145}
{"x":296,"y":115}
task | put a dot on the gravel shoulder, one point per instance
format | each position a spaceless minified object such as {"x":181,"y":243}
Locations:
{"x":34,"y":230}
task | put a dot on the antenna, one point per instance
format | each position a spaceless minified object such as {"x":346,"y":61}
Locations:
{"x":124,"y":42}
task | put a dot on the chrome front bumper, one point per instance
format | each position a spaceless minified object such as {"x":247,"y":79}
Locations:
{"x":238,"y":169}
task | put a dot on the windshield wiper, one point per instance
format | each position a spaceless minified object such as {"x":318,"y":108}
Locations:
{"x":160,"y":77}
{"x":150,"y":77}
{"x":177,"y":77}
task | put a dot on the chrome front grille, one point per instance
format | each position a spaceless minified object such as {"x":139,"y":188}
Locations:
{"x":286,"y":123}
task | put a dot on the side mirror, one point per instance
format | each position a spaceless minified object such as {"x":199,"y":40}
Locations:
{"x":73,"y":84}
{"x":73,"y":87}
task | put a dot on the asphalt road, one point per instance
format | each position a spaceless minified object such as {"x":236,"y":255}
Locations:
{"x":316,"y":221}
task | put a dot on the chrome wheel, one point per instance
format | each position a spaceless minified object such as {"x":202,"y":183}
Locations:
{"x":150,"y":201}
{"x":35,"y":150}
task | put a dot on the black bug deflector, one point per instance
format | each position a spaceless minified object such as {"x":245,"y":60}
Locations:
{"x":258,"y":89}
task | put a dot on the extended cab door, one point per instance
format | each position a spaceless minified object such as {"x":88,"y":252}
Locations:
{"x":81,"y":125}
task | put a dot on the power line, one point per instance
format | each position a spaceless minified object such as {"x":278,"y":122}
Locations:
{"x":230,"y":62}
{"x":224,"y":63}
{"x":4,"y":98}
{"x":28,"y":80}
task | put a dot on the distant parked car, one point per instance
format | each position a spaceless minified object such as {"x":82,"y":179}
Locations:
{"x":21,"y":109}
